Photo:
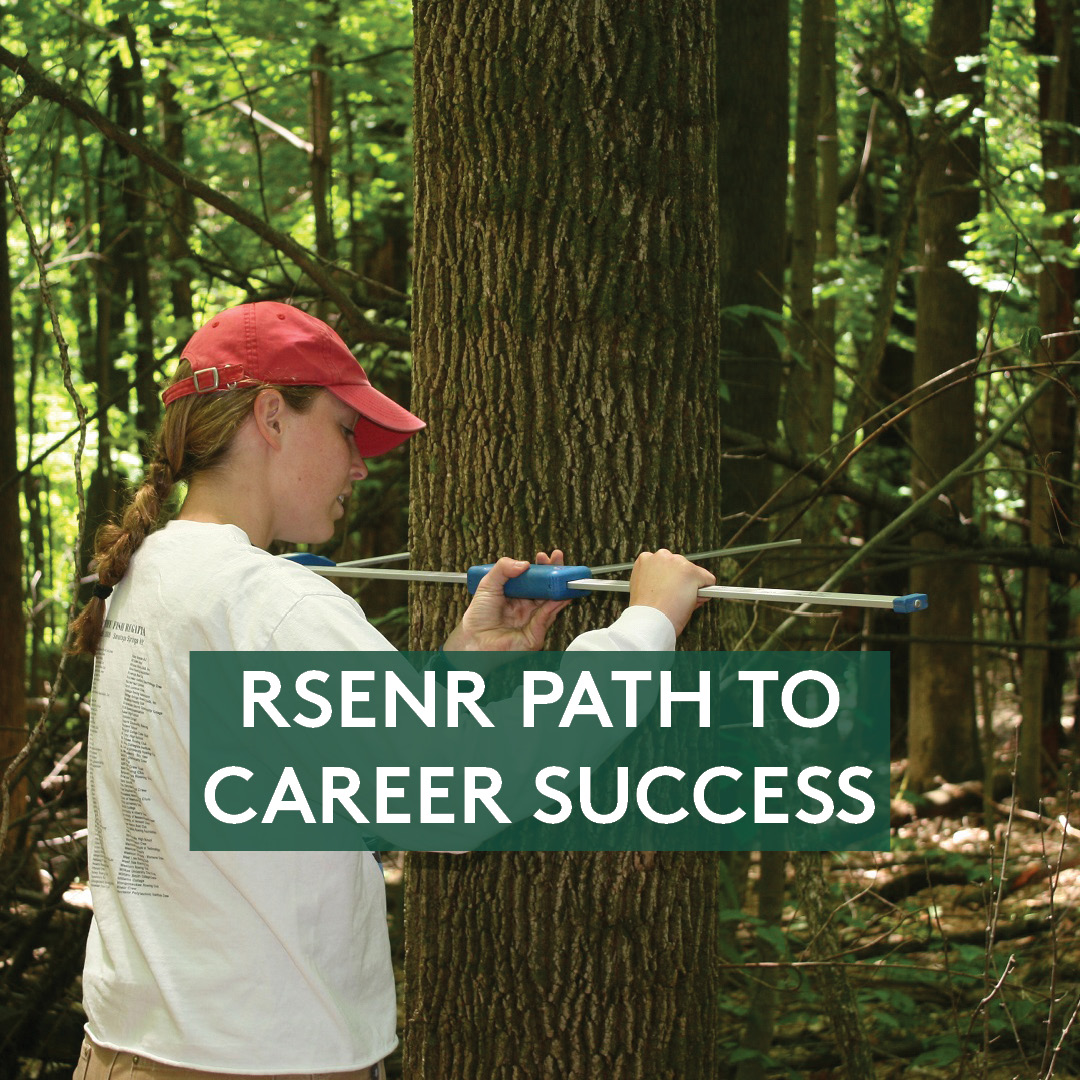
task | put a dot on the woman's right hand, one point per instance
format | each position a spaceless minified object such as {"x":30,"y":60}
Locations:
{"x":668,"y":582}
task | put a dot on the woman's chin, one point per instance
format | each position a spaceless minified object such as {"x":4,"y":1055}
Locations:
{"x":310,"y":535}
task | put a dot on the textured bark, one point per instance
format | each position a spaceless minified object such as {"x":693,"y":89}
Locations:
{"x":565,"y":358}
{"x":1052,"y":425}
{"x":13,"y":729}
{"x":942,"y":738}
{"x":752,"y":140}
{"x":559,"y":965}
{"x":565,"y":340}
{"x":807,"y":421}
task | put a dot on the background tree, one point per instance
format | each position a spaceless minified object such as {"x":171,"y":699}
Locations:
{"x":584,"y":133}
{"x":752,"y":149}
{"x":942,"y":738}
{"x":13,"y":728}
{"x":1052,"y":428}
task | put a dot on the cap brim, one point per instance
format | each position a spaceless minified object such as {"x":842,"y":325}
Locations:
{"x":383,"y":423}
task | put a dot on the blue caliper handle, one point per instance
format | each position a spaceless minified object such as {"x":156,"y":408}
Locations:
{"x":905,"y":605}
{"x":305,"y":558}
{"x":537,"y":583}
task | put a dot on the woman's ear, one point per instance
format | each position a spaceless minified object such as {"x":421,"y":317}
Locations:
{"x":269,"y":413}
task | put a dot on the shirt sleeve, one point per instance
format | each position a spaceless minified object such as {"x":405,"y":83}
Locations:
{"x":318,"y":622}
{"x":637,"y":629}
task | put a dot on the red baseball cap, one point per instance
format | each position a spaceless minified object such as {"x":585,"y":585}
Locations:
{"x":278,"y":344}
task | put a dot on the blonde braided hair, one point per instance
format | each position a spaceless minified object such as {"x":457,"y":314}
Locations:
{"x":195,"y":435}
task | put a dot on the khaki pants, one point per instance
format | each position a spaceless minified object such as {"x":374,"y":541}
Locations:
{"x":97,"y":1063}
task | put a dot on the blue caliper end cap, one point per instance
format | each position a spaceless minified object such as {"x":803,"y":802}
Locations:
{"x":905,"y":605}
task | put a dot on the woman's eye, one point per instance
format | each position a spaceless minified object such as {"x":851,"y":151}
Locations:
{"x":348,"y":432}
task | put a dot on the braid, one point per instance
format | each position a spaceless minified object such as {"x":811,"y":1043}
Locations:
{"x":114,"y":546}
{"x":195,"y":435}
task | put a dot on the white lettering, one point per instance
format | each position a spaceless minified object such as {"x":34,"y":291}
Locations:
{"x":351,"y":696}
{"x":857,"y":794}
{"x":643,"y":794}
{"x":819,"y":796}
{"x":585,"y":687}
{"x":631,"y":678}
{"x":331,"y":793}
{"x":456,"y":697}
{"x":210,"y":795}
{"x":254,"y":696}
{"x":474,"y":793}
{"x":762,"y":792}
{"x":759,"y":678}
{"x":565,"y":805}
{"x":805,"y":721}
{"x":703,"y":807}
{"x":304,"y":691}
{"x":288,"y":784}
{"x":532,"y":698}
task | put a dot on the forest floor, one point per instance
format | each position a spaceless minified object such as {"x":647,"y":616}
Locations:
{"x":963,"y":951}
{"x":961,"y":941}
{"x":961,"y":945}
{"x":962,"y":948}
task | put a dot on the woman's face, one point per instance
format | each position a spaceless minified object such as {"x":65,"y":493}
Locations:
{"x":318,"y":467}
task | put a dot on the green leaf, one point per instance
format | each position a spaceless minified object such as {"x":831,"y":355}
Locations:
{"x":1029,"y":341}
{"x":945,"y":1052}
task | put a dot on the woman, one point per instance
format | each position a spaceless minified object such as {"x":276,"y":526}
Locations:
{"x":254,"y":963}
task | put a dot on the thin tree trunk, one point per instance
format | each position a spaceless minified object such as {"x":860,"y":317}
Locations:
{"x":1050,"y":430}
{"x":135,"y":247}
{"x":565,"y":357}
{"x":322,"y":119}
{"x":752,"y":147}
{"x":828,"y":146}
{"x":13,"y":730}
{"x":803,"y":408}
{"x":942,"y":736}
{"x":830,"y":978}
{"x":110,"y":296}
{"x":761,"y":1020}
{"x":179,"y":211}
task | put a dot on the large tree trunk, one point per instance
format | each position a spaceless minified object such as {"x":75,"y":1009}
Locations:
{"x":752,"y":147}
{"x":565,"y":357}
{"x":942,"y":737}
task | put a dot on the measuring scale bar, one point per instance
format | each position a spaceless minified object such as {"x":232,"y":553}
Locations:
{"x":562,"y":582}
{"x":902,"y":604}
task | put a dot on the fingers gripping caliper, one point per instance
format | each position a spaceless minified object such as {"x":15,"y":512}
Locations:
{"x":550,"y":582}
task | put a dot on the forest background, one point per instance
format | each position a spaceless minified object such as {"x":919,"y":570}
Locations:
{"x":811,"y":263}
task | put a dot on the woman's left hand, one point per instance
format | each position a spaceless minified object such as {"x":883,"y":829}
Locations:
{"x":494,"y":622}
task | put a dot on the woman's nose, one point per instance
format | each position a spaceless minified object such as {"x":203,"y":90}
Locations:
{"x":359,"y":468}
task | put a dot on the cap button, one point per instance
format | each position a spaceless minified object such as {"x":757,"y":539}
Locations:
{"x":281,"y":316}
